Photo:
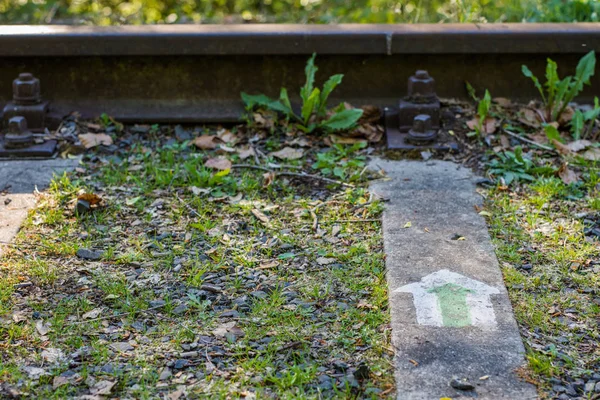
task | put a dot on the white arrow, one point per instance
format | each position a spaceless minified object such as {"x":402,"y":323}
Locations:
{"x":445,"y":298}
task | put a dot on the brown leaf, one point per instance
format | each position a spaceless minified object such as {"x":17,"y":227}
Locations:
{"x":89,"y":140}
{"x":261,"y":217}
{"x":345,"y":140}
{"x":218,"y":163}
{"x":246,"y":153}
{"x":567,"y":175}
{"x":561,"y":148}
{"x":102,"y":387}
{"x":206,"y":142}
{"x":592,"y":154}
{"x":268,"y":178}
{"x":488,"y":126}
{"x":503,"y":102}
{"x":288,"y":153}
{"x":226,"y":136}
{"x":42,"y":328}
{"x":91,"y":198}
{"x":371,"y":115}
{"x":566,"y":116}
{"x":529,"y":117}
{"x":579,"y":145}
{"x":93,"y":313}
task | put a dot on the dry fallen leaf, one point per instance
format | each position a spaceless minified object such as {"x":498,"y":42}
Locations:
{"x":245,"y":153}
{"x":42,"y":328}
{"x":529,"y":117}
{"x":579,"y":145}
{"x":226,"y":136}
{"x":95,"y":313}
{"x":326,"y":260}
{"x":489,"y":125}
{"x":102,"y":388}
{"x":268,"y":178}
{"x":502,"y":102}
{"x":206,"y":142}
{"x":592,"y":154}
{"x":91,"y":198}
{"x":288,"y":153}
{"x":345,"y":140}
{"x":89,"y":140}
{"x":261,"y":217}
{"x":561,"y":148}
{"x":218,"y":163}
{"x":567,"y":175}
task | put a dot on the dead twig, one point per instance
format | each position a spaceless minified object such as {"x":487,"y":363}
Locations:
{"x":293,"y":174}
{"x":188,"y":206}
{"x":117,"y":315}
{"x":521,"y":138}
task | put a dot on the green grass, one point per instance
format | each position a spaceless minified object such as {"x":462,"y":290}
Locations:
{"x":291,"y":334}
{"x":106,"y":12}
{"x":554,"y":301}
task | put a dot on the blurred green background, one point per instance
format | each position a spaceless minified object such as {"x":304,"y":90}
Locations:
{"x":112,"y":12}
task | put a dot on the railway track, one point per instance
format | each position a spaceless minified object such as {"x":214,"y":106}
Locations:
{"x":190,"y":74}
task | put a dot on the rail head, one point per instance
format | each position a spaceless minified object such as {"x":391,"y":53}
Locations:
{"x":284,"y":39}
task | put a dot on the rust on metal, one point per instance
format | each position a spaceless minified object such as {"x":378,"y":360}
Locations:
{"x":421,"y":99}
{"x":150,"y":73}
{"x":422,"y":131}
{"x":19,"y":142}
{"x":415,"y":123}
{"x":18,"y":136}
{"x":27,"y":102}
{"x":405,"y":141}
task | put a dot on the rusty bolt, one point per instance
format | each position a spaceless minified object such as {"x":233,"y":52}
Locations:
{"x":421,"y":86}
{"x":421,"y":130}
{"x":18,"y":134}
{"x":26,"y":89}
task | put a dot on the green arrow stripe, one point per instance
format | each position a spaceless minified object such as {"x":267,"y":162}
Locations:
{"x":453,"y":304}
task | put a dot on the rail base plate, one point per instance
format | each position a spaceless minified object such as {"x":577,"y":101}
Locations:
{"x":42,"y":150}
{"x":397,"y":140}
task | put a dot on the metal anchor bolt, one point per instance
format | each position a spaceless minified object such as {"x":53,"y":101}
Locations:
{"x":18,"y":135}
{"x":421,"y":86}
{"x":26,"y":89}
{"x":421,"y":131}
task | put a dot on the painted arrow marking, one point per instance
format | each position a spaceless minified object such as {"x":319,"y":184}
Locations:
{"x":445,"y":298}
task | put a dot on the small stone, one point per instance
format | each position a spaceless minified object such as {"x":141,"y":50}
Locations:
{"x":230,"y":314}
{"x":362,"y":372}
{"x":461,"y":384}
{"x":559,"y":388}
{"x":340,"y":366}
{"x":589,"y":387}
{"x":181,"y":363}
{"x":165,"y":374}
{"x":259,"y":294}
{"x":189,"y":354}
{"x":526,"y":267}
{"x":180,"y":309}
{"x":156,"y":303}
{"x":571,"y":390}
{"x":82,"y":207}
{"x":325,"y":383}
{"x":181,"y":134}
{"x":597,"y":387}
{"x":211,"y":288}
{"x":121,"y":346}
{"x":107,"y":368}
{"x":88,"y":254}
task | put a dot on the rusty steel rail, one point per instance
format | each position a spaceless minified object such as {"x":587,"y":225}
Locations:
{"x":195,"y":73}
